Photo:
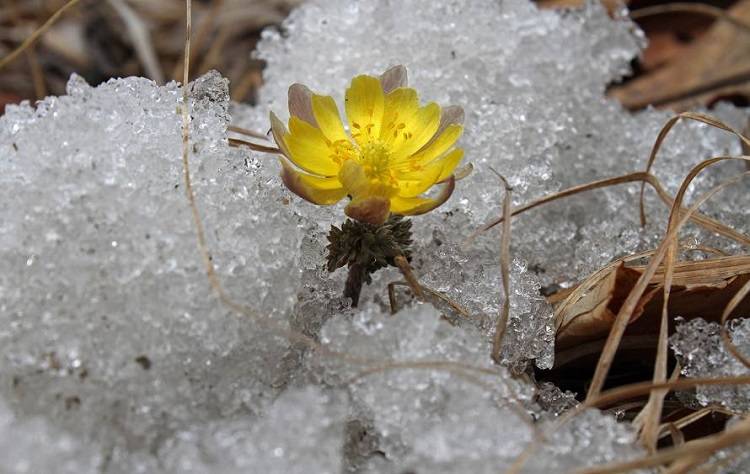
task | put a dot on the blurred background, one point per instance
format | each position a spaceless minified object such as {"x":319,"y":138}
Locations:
{"x":698,"y":53}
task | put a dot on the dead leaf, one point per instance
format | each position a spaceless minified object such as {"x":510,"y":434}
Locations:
{"x":585,"y":313}
{"x":715,"y":65}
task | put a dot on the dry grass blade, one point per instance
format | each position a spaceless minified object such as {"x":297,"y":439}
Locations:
{"x":637,"y":389}
{"x":701,"y":448}
{"x":37,"y":33}
{"x":37,"y":74}
{"x":687,"y":420}
{"x":650,"y":416}
{"x":502,"y":320}
{"x":631,"y":302}
{"x":236,"y":142}
{"x":245,"y":131}
{"x":663,"y":135}
{"x":641,"y":177}
{"x":726,"y":339}
{"x":705,"y":272}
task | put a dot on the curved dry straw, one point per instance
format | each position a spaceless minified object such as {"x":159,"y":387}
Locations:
{"x":698,"y":117}
{"x":637,"y":177}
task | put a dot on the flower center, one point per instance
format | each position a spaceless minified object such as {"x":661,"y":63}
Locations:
{"x":374,"y":157}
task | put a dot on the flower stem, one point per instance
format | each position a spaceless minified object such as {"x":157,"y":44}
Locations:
{"x":354,"y":281}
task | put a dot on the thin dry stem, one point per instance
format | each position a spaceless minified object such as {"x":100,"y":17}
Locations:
{"x":37,"y":75}
{"x":703,"y":447}
{"x":689,"y":419}
{"x":663,"y":135}
{"x":37,"y":33}
{"x":726,"y":339}
{"x":245,"y":131}
{"x":678,"y":437}
{"x":236,"y":142}
{"x":502,"y":320}
{"x":642,"y":177}
{"x":625,"y":392}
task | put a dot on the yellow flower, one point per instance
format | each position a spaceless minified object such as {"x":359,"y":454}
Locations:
{"x":394,"y":151}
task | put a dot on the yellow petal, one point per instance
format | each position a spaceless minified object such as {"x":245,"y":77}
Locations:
{"x":364,"y":108}
{"x":400,"y":107}
{"x":433,"y":150}
{"x":309,"y":149}
{"x":419,"y":129}
{"x":418,"y":205}
{"x":327,"y":115}
{"x":449,"y":162}
{"x":352,"y":176}
{"x":412,"y":206}
{"x":317,"y":190}
{"x":279,"y":133}
{"x":416,"y":182}
{"x":358,"y":185}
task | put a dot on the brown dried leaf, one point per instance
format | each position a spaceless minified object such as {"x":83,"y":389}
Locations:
{"x":589,"y":310}
{"x":715,"y":65}
{"x":699,"y":288}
